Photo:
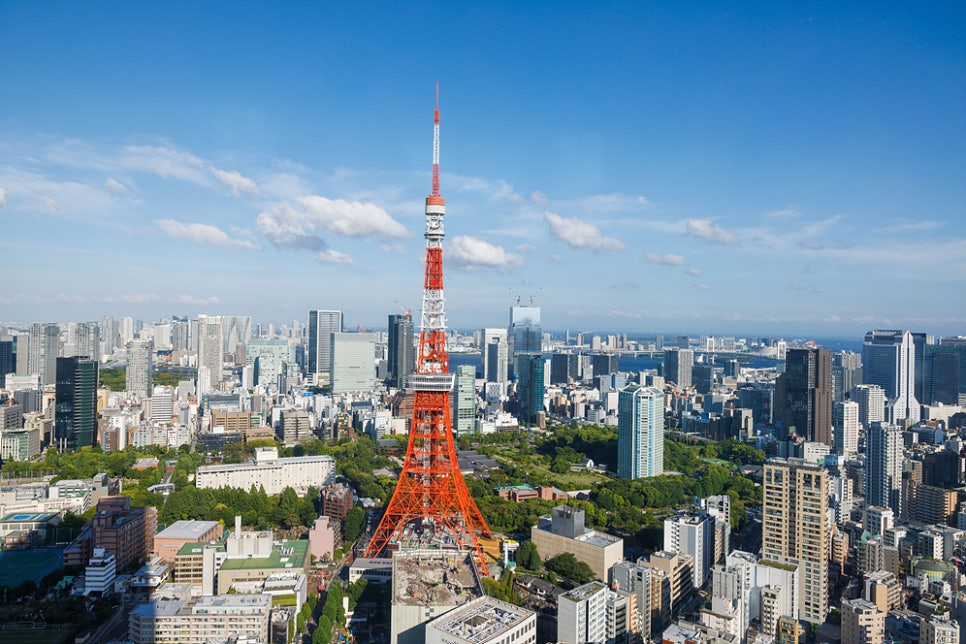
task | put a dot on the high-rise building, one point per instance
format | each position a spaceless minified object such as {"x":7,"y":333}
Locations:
{"x":795,"y":529}
{"x":957,"y":346}
{"x":677,"y":366}
{"x":8,"y":363}
{"x":889,"y":360}
{"x":871,"y":400}
{"x":495,"y":354}
{"x":563,"y":368}
{"x":883,"y":465}
{"x":237,"y":330}
{"x":43,"y":349}
{"x":83,"y":340}
{"x":603,"y":364}
{"x":322,"y":324}
{"x":530,"y":385}
{"x":211,"y":353}
{"x":846,"y":373}
{"x":582,"y":614}
{"x":804,"y":395}
{"x":75,"y":411}
{"x":464,"y":400}
{"x":845,"y":421}
{"x":939,"y":629}
{"x":270,"y":359}
{"x":353,"y":362}
{"x":640,"y":432}
{"x":140,"y":367}
{"x":862,"y":622}
{"x":524,"y":334}
{"x":402,"y":351}
{"x":692,"y":534}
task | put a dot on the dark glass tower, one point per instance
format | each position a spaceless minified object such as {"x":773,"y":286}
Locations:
{"x":75,"y":417}
{"x":529,"y":369}
{"x":402,"y":351}
{"x":804,"y":394}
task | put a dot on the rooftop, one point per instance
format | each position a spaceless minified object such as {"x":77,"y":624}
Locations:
{"x":481,"y":620}
{"x":30,"y":517}
{"x":434,"y":577}
{"x":193,"y":530}
{"x":288,"y":554}
{"x":582,"y":593}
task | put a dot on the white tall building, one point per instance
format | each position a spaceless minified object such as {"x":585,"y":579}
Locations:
{"x":322,"y":324}
{"x":692,"y":534}
{"x":754,"y":590}
{"x":140,"y":367}
{"x":353,"y":362}
{"x":211,"y":352}
{"x":871,"y":401}
{"x":464,"y":400}
{"x":883,"y":467}
{"x":938,"y":630}
{"x":640,"y":432}
{"x":889,"y":360}
{"x":484,"y":621}
{"x":582,"y":614}
{"x":237,"y":329}
{"x":845,"y":424}
{"x":100,"y":572}
{"x":494,"y":350}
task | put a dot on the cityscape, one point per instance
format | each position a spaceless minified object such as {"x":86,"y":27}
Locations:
{"x":236,"y":409}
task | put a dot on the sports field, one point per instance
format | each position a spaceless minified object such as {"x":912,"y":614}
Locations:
{"x":52,"y":634}
{"x":17,"y":566}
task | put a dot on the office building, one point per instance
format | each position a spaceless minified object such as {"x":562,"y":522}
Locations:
{"x":75,"y":411}
{"x":862,"y":622}
{"x":485,"y":620}
{"x":352,"y":362}
{"x":205,"y":619}
{"x":846,"y":373}
{"x":402,"y":351}
{"x":677,"y":366}
{"x":845,"y":424}
{"x":8,"y":362}
{"x":804,"y":395}
{"x":604,"y":364}
{"x":43,"y":349}
{"x":795,"y":529}
{"x":211,"y":354}
{"x":140,"y":368}
{"x":83,"y":340}
{"x":529,"y":369}
{"x":322,"y":324}
{"x":889,"y":360}
{"x":525,"y":334}
{"x":566,"y":532}
{"x":268,"y":470}
{"x":464,"y":400}
{"x":883,"y":467}
{"x":270,"y":360}
{"x":236,"y":331}
{"x":692,"y":534}
{"x":564,"y":368}
{"x":494,"y":351}
{"x":172,"y":539}
{"x":640,"y":432}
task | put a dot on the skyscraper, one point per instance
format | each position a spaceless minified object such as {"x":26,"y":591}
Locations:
{"x":7,"y":362}
{"x":140,"y":367}
{"x":464,"y":400}
{"x":804,"y":395}
{"x":563,"y":368}
{"x":322,"y":324}
{"x":677,"y":366}
{"x":75,"y":411}
{"x":402,"y":351}
{"x":211,"y":353}
{"x":640,"y":432}
{"x":795,"y":529}
{"x":530,"y":389}
{"x":845,"y":421}
{"x":889,"y":360}
{"x":495,"y":354}
{"x":846,"y":373}
{"x":883,"y":463}
{"x":525,"y":334}
{"x":237,"y":330}
{"x":43,"y":349}
{"x":353,"y":360}
{"x":871,"y":400}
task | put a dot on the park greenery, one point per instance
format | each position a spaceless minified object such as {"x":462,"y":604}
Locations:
{"x":567,"y":566}
{"x":115,"y":378}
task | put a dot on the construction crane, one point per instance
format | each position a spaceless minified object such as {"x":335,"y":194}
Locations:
{"x":407,"y":312}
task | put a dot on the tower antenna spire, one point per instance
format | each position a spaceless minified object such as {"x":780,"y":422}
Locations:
{"x":431,"y":497}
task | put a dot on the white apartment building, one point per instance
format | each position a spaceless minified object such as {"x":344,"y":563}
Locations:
{"x":209,"y":619}
{"x":270,"y":471}
{"x":484,"y":621}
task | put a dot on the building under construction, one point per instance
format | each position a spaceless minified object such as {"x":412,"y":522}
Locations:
{"x":427,"y":584}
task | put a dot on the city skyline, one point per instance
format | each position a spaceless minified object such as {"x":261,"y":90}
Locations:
{"x":642,"y":169}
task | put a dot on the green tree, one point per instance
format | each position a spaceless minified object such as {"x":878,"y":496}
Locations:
{"x":528,"y":557}
{"x":353,"y":524}
{"x":567,"y":565}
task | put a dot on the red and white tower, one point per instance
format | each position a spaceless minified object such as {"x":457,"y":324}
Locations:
{"x":431,"y":500}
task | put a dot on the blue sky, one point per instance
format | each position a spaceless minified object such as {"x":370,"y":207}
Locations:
{"x":756,"y":168}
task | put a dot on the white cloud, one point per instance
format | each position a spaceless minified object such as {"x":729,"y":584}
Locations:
{"x":704,"y":287}
{"x":613,"y":202}
{"x":3,"y":198}
{"x":49,"y":203}
{"x":164,"y":162}
{"x":134,"y":298}
{"x":237,"y":183}
{"x":704,"y":229}
{"x":786,"y":213}
{"x":539,"y":198}
{"x":202,"y":234}
{"x":470,"y":253}
{"x":580,"y":234}
{"x":114,"y":185}
{"x":694,"y":272}
{"x":915,"y":226}
{"x":293,"y":225}
{"x":329,"y":256}
{"x":665,"y":260}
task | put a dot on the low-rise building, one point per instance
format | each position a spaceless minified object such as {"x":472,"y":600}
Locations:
{"x":565,"y":532}
{"x":484,"y":621}
{"x":169,"y":541}
{"x":207,"y":619}
{"x":269,"y":471}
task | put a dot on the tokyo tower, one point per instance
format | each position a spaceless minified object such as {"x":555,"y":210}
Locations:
{"x":431,"y":506}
